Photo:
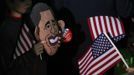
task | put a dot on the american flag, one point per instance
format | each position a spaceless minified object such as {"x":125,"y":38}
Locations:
{"x":100,"y":57}
{"x":24,"y":42}
{"x":106,"y":24}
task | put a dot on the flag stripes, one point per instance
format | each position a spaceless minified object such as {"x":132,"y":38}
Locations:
{"x":105,"y":24}
{"x":90,"y":66}
{"x":101,"y":56}
{"x":24,"y":42}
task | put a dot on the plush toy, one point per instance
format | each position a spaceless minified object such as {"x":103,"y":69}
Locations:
{"x":48,"y":30}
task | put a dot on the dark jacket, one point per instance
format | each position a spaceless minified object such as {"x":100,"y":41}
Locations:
{"x":26,"y":64}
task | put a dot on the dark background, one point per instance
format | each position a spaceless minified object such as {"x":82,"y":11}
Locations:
{"x":64,"y":62}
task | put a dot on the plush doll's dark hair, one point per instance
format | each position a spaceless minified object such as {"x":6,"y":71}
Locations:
{"x":35,"y":13}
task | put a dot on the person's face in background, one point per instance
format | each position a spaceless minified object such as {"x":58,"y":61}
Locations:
{"x":20,"y":6}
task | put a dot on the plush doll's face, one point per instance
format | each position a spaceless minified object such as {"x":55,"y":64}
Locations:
{"x":49,"y":32}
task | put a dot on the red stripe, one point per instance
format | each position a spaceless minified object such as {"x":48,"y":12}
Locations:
{"x":28,"y":38}
{"x":118,"y":32}
{"x":28,"y":35}
{"x":99,"y":61}
{"x":25,"y":40}
{"x":82,"y":56}
{"x":24,"y":34}
{"x":85,"y":58}
{"x":86,"y":64}
{"x":105,"y":23}
{"x":100,"y":24}
{"x":96,"y":30}
{"x":105,"y":63}
{"x":22,"y":45}
{"x":122,"y":27}
{"x":90,"y":28}
{"x":86,"y":67}
{"x":106,"y":26}
{"x":111,"y":26}
{"x":110,"y":67}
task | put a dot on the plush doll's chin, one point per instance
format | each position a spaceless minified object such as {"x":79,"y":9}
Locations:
{"x":51,"y":52}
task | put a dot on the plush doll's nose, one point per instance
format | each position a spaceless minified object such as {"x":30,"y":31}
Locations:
{"x":54,"y":30}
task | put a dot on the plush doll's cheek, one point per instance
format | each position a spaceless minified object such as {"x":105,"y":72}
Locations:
{"x":42,"y":35}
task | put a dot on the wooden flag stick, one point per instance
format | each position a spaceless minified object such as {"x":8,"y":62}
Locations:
{"x":117,"y":51}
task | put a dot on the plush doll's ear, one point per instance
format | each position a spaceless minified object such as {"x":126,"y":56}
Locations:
{"x":67,"y":33}
{"x":61,"y":23}
{"x":36,"y":33}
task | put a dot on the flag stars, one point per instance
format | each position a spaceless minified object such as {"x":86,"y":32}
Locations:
{"x":100,"y":46}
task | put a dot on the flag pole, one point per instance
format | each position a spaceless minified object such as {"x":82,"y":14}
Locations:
{"x":117,"y":51}
{"x":40,"y":57}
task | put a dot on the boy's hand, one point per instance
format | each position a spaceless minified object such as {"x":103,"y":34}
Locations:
{"x":130,"y":70}
{"x":38,"y":48}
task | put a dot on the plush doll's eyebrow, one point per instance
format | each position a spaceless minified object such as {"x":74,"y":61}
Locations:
{"x":48,"y":22}
{"x":54,"y":21}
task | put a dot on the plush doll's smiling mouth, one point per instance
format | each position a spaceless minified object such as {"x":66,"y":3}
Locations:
{"x":53,"y":40}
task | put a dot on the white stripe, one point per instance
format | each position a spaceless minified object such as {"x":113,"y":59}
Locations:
{"x":102,"y":62}
{"x":20,"y":48}
{"x":100,"y":57}
{"x":97,"y":25}
{"x":85,"y":56}
{"x":108,"y":26}
{"x":85,"y":60}
{"x":23,"y":42}
{"x":27,"y":39}
{"x":119,"y":26}
{"x":17,"y":52}
{"x":114,"y":26}
{"x":93,"y":28}
{"x":25,"y":27}
{"x":86,"y":65}
{"x":103,"y":25}
{"x":82,"y":70}
{"x":107,"y":65}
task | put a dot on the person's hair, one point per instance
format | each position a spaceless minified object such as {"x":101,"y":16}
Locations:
{"x":35,"y":13}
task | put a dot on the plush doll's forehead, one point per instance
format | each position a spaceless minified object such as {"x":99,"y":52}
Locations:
{"x":36,"y":12}
{"x":46,"y":16}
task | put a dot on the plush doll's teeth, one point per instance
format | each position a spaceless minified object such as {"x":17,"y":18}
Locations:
{"x":54,"y":40}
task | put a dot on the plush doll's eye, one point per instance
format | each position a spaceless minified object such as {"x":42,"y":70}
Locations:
{"x":54,"y":24}
{"x":47,"y":26}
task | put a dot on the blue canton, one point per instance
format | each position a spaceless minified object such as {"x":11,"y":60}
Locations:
{"x":100,"y":46}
